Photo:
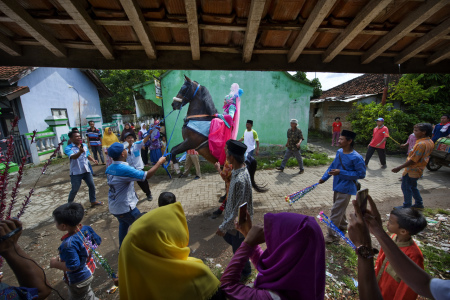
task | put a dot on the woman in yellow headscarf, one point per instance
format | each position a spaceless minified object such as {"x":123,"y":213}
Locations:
{"x":154,"y":260}
{"x":108,"y":139}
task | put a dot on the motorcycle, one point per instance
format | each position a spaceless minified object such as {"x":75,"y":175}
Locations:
{"x":440,"y":155}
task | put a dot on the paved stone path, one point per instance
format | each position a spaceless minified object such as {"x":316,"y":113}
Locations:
{"x":200,"y":196}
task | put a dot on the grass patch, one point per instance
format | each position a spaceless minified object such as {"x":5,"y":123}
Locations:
{"x":436,"y":261}
{"x":430,"y":212}
{"x":350,"y":283}
{"x":346,"y":253}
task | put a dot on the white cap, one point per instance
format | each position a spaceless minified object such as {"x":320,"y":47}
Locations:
{"x":294,"y":121}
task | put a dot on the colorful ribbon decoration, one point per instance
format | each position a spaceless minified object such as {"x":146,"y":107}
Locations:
{"x":323,"y":218}
{"x":100,"y":259}
{"x":292,"y":198}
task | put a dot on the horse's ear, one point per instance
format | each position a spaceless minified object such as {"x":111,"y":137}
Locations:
{"x":187,"y":78}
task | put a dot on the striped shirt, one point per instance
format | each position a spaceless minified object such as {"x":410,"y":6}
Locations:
{"x":94,"y":136}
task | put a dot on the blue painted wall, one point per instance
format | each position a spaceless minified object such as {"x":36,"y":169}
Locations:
{"x":49,"y":89}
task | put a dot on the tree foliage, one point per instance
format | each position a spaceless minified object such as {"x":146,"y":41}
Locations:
{"x":315,"y":83}
{"x":120,"y":83}
{"x":423,"y":98}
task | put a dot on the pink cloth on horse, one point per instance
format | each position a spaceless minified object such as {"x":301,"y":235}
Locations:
{"x":219,"y":134}
{"x":235,"y":123}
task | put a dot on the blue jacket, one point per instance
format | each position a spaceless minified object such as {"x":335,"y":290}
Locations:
{"x":355,"y":169}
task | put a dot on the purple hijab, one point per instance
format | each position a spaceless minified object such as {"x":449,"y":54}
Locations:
{"x":293,"y":264}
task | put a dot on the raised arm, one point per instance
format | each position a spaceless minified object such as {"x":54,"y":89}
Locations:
{"x":27,"y":272}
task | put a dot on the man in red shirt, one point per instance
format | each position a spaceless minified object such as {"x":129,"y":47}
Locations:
{"x":380,"y":135}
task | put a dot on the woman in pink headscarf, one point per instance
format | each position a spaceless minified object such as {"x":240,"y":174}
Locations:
{"x":292,"y":267}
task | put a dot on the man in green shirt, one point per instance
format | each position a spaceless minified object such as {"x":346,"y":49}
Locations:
{"x":295,"y":138}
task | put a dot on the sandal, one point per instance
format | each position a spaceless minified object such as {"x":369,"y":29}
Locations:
{"x":98,"y":203}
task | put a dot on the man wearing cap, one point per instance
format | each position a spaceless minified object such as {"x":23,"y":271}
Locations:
{"x":250,"y":138}
{"x":122,"y":197}
{"x":134,"y":159}
{"x":240,"y":191}
{"x":295,"y":138}
{"x":380,"y":135}
{"x":347,"y":168}
{"x":80,"y":156}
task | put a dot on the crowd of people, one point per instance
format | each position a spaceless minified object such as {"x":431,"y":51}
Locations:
{"x":293,"y":265}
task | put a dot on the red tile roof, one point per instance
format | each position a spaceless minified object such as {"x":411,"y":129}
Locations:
{"x":364,"y":84}
{"x":8,"y":73}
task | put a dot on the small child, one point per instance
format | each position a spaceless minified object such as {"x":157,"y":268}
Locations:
{"x":166,"y":198}
{"x":74,"y":257}
{"x":411,"y":142}
{"x":404,"y":223}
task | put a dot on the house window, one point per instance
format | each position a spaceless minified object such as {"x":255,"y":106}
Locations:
{"x":339,"y":108}
{"x":61,"y":112}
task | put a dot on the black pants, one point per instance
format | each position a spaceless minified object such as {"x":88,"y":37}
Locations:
{"x":144,"y":187}
{"x":381,"y":155}
{"x":144,"y":154}
{"x":98,"y":149}
{"x":235,"y":240}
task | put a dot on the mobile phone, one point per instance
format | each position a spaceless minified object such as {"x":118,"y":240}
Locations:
{"x":361,"y":200}
{"x":242,"y":214}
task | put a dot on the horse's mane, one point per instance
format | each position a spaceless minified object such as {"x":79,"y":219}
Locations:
{"x":205,"y":96}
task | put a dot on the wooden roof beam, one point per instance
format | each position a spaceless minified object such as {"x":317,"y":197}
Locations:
{"x":362,"y":19}
{"x":411,"y":21}
{"x":15,"y":11}
{"x":438,"y":56}
{"x":141,"y":28}
{"x":318,"y":14}
{"x":7,"y":45}
{"x":424,"y":42}
{"x":253,"y":21}
{"x":192,"y":19}
{"x":76,"y":10}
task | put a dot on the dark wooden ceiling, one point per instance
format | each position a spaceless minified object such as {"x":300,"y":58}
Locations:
{"x":364,"y":36}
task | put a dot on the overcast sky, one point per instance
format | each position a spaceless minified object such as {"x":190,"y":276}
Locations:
{"x":329,"y":80}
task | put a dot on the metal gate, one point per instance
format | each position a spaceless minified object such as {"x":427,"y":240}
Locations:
{"x":20,"y":149}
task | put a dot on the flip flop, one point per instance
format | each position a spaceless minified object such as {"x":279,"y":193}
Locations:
{"x":98,"y":203}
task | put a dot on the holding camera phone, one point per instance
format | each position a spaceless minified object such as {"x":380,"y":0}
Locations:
{"x":242,"y":214}
{"x":361,"y":200}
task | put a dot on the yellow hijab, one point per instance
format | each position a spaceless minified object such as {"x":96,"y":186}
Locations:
{"x":154,"y":260}
{"x":109,"y":138}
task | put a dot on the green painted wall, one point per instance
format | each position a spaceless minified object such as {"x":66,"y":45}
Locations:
{"x":270,"y":99}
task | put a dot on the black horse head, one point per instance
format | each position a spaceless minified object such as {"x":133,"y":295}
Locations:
{"x":186,"y":93}
{"x":199,"y":98}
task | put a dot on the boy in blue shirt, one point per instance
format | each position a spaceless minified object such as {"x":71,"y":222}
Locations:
{"x":122,"y":198}
{"x":347,"y":168}
{"x":74,"y":256}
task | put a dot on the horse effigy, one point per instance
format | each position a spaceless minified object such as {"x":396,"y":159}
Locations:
{"x":204,"y":129}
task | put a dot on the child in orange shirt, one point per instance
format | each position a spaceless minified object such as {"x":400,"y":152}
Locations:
{"x":403,"y":222}
{"x":336,"y":131}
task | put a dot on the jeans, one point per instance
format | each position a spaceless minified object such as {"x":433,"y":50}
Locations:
{"x":409,"y":188}
{"x":252,"y":153}
{"x":125,"y":220}
{"x":381,"y":155}
{"x":98,"y":149}
{"x":75,"y":180}
{"x":235,"y":240}
{"x":288,"y":155}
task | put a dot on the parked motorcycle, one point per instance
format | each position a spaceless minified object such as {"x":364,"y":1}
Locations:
{"x":440,"y":155}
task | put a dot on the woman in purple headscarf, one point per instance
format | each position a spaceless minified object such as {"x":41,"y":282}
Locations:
{"x":292,"y":267}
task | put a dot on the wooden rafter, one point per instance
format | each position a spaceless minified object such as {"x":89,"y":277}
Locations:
{"x":7,"y":45}
{"x":16,"y":12}
{"x":362,"y":19}
{"x":439,"y":56}
{"x":411,"y":21}
{"x":253,"y":21}
{"x":76,"y":10}
{"x":424,"y":42}
{"x":320,"y":11}
{"x":141,"y":28}
{"x":191,"y":14}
